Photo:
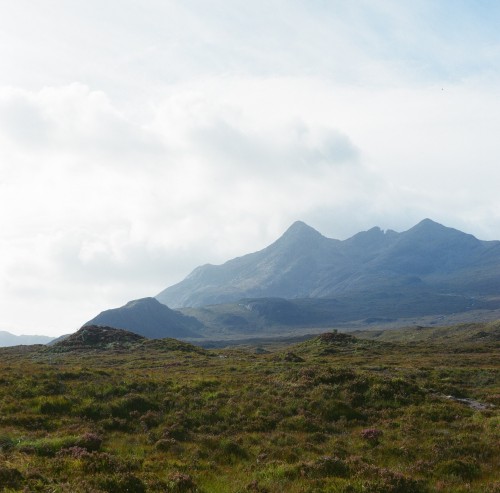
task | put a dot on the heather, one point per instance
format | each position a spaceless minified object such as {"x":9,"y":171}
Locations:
{"x":336,"y":413}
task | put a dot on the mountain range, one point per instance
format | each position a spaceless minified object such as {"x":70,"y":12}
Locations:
{"x":7,"y":339}
{"x":305,"y":280}
{"x":305,"y":264}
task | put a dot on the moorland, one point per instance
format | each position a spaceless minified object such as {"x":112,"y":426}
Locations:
{"x":400,"y":411}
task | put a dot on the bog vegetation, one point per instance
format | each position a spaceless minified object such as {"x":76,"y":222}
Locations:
{"x":333,"y":414}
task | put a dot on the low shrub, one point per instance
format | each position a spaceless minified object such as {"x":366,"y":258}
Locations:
{"x":10,"y":478}
{"x":121,"y":483}
{"x":334,"y":410}
{"x":90,"y":441}
{"x":391,"y":482}
{"x":256,"y":487}
{"x":371,"y":435}
{"x":28,"y":421}
{"x":177,"y":431}
{"x":333,"y":376}
{"x":181,"y":483}
{"x":150,"y":419}
{"x":35,"y":481}
{"x":326,"y":466}
{"x":47,"y":447}
{"x":461,"y":468}
{"x":299,"y":422}
{"x":55,"y":405}
{"x":115,"y":424}
{"x":231,"y":448}
{"x":6,"y":443}
{"x":92,"y":410}
{"x":279,"y":471}
{"x":73,"y":452}
{"x":103,"y":462}
{"x":165,"y":444}
{"x":132,"y":403}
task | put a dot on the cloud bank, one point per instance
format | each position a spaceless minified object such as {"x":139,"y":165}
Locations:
{"x":139,"y":141}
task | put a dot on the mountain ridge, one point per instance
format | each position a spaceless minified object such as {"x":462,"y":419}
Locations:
{"x":306,"y":281}
{"x":7,"y":339}
{"x":303,"y":263}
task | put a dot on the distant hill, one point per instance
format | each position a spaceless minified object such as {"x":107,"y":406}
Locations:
{"x":149,"y":318}
{"x":471,"y":333}
{"x":334,"y":343}
{"x":428,"y":258}
{"x":96,"y":338}
{"x":7,"y":339}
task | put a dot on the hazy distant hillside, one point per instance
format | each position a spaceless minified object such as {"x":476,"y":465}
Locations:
{"x":303,"y":263}
{"x":8,"y":339}
{"x":266,"y":316}
{"x":149,"y":318}
{"x":465,"y":334}
{"x":272,"y":272}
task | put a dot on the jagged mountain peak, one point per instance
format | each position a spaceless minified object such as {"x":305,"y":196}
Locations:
{"x":148,"y":301}
{"x":367,"y":238}
{"x":428,"y":227}
{"x":304,"y":263}
{"x":433,"y":233}
{"x":427,"y":222}
{"x":299,"y":233}
{"x":300,"y":228}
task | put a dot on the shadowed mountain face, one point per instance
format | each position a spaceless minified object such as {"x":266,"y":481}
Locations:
{"x":305,"y":264}
{"x":149,"y":318}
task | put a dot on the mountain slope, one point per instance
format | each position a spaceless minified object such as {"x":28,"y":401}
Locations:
{"x":149,"y":318}
{"x":303,"y":263}
{"x":271,"y":316}
{"x":297,"y":254}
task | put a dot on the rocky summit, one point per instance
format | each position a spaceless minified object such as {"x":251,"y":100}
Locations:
{"x":305,"y":264}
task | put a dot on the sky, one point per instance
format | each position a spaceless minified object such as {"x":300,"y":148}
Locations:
{"x":140,"y":139}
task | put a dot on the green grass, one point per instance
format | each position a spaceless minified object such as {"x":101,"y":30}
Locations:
{"x":343,"y":415}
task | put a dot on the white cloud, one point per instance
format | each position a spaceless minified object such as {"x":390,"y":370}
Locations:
{"x":139,"y":140}
{"x":98,"y":201}
{"x":109,"y":210}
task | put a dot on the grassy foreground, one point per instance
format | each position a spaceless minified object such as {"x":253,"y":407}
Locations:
{"x":332,"y":414}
